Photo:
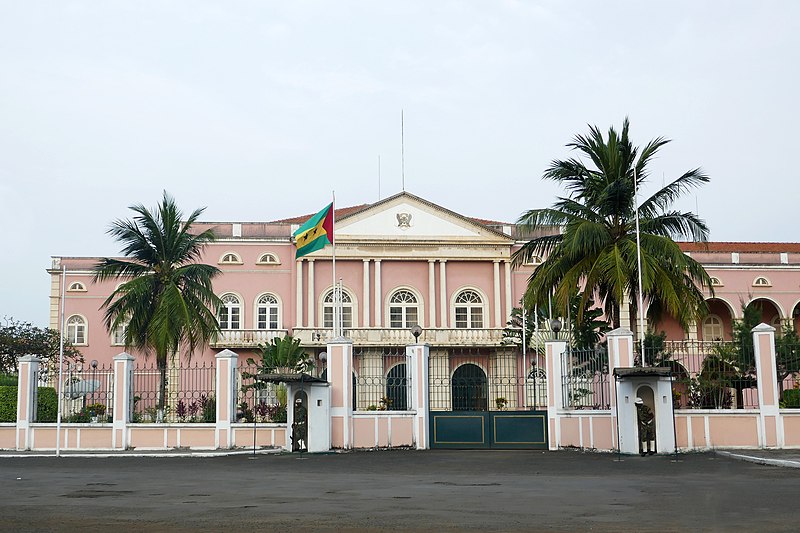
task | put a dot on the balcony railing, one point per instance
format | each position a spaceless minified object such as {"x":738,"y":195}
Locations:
{"x":246,"y":338}
{"x":403,"y":336}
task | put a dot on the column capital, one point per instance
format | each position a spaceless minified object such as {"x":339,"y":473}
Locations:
{"x":33,"y":359}
{"x":124,"y":356}
{"x":763,"y":328}
{"x":227,"y":354}
{"x":620,"y":332}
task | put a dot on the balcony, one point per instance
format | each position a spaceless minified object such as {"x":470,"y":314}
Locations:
{"x":402,"y":336}
{"x":246,"y":338}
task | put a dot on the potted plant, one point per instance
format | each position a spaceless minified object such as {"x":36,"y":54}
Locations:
{"x":283,"y":356}
{"x":96,"y":411}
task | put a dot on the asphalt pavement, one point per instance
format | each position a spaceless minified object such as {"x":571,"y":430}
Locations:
{"x":405,"y":490}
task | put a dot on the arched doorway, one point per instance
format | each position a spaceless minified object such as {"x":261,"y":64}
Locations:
{"x":769,"y":313}
{"x":645,"y":392}
{"x":469,"y":389}
{"x":300,"y":422}
{"x":717,"y":325}
{"x":397,"y":388}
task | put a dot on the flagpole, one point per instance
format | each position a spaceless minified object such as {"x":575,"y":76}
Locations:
{"x":336,"y":295}
{"x":524,"y":358}
{"x":61,"y":361}
{"x":640,"y":311}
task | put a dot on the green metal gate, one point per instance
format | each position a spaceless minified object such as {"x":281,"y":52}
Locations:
{"x":485,"y":398}
{"x":488,"y":429}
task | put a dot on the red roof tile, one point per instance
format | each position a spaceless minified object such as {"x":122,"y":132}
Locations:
{"x":741,"y":247}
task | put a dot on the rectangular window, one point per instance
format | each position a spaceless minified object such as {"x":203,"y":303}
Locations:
{"x":477,"y":317}
{"x":268,"y":318}
{"x":411,"y":317}
{"x":235,"y":318}
{"x":395,"y":317}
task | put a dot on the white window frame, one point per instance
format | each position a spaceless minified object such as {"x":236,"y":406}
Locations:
{"x":268,"y":258}
{"x":716,"y":282}
{"x":705,"y":324}
{"x":225,"y":259}
{"x":276,"y":305}
{"x":454,"y":306}
{"x":326,"y":301}
{"x":73,"y":327}
{"x":118,"y":335}
{"x":404,"y":306}
{"x":767,"y":282}
{"x":228,"y":326}
{"x":76,"y":286}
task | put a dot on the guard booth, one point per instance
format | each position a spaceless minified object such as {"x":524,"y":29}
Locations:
{"x":308,"y":423}
{"x":654,"y":386}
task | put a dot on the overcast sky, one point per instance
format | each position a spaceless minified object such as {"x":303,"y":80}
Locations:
{"x":258,"y":110}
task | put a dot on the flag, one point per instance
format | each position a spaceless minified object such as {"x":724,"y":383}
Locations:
{"x":315,"y":233}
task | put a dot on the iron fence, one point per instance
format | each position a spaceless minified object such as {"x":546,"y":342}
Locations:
{"x":87,"y":394}
{"x":178,"y":393}
{"x":787,"y":363}
{"x":381,"y":380}
{"x":481,"y":379}
{"x":584,"y":379}
{"x":709,"y":375}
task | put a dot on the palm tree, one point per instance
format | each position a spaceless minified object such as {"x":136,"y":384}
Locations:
{"x":596,"y":250}
{"x":166,"y":300}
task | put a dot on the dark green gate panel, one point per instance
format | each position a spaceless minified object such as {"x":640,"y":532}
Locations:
{"x":459,"y":429}
{"x":488,"y":429}
{"x":518,"y":430}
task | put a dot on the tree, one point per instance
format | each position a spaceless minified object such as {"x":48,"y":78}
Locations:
{"x":22,"y":338}
{"x":166,"y":301}
{"x":596,"y":250}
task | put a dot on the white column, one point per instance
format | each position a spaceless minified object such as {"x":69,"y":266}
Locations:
{"x":496,"y":295}
{"x":509,"y":303}
{"x":431,"y":294}
{"x":418,"y":355}
{"x":123,"y":381}
{"x":554,"y":351}
{"x":378,"y":295}
{"x":227,"y":362}
{"x":299,"y":295}
{"x":26,"y":399}
{"x":311,"y":305}
{"x":365,"y":296}
{"x":443,"y":293}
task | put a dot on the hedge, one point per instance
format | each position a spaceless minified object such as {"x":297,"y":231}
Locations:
{"x":46,"y":407}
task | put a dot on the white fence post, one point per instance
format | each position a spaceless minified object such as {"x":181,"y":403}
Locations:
{"x":340,"y":377}
{"x":26,"y":399}
{"x":771,"y":434}
{"x":123,"y":377}
{"x":227,"y":361}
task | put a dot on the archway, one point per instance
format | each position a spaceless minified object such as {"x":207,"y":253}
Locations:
{"x":397,"y":388}
{"x":300,"y":422}
{"x":469,"y":389}
{"x":645,"y":392}
{"x":769,"y":312}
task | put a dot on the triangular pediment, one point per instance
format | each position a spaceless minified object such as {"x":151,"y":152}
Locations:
{"x":405,"y":217}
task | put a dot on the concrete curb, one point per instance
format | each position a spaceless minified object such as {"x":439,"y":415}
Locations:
{"x":786,"y":463}
{"x":159,"y":454}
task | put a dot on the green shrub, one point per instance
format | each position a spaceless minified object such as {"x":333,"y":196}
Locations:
{"x":791,"y":398}
{"x":47,"y":406}
{"x":8,"y":379}
{"x":8,"y":403}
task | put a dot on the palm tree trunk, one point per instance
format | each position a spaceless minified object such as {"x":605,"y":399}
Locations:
{"x":162,"y":388}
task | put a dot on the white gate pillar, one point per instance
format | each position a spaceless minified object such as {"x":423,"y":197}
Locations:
{"x":340,"y":377}
{"x":554,"y":351}
{"x":418,"y":355}
{"x":227,"y":361}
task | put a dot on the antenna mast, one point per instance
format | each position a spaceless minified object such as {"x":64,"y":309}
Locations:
{"x":379,"y":177}
{"x":402,"y":152}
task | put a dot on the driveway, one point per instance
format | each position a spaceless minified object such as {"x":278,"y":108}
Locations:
{"x":391,"y":490}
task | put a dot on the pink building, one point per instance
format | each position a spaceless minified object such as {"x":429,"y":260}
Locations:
{"x":403,"y":261}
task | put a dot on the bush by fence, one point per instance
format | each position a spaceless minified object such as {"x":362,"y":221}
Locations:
{"x":46,"y":406}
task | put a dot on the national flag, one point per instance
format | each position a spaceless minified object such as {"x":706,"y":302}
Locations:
{"x":315,"y":233}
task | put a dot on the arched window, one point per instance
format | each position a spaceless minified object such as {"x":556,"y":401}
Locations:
{"x":469,"y":310}
{"x":230,"y":258}
{"x":230,"y":312}
{"x":76,"y":286}
{"x":534,"y":260}
{"x":712,"y":328}
{"x":403,"y":309}
{"x":347,"y":310}
{"x":76,"y":329}
{"x":267,"y":312}
{"x":469,"y":389}
{"x":761,"y":281}
{"x":268,"y":258}
{"x":397,"y":388}
{"x":716,"y":282}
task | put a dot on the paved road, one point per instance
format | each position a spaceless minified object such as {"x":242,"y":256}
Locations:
{"x":406,"y":490}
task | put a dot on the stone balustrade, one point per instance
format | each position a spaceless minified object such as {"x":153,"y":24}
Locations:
{"x":246,"y":338}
